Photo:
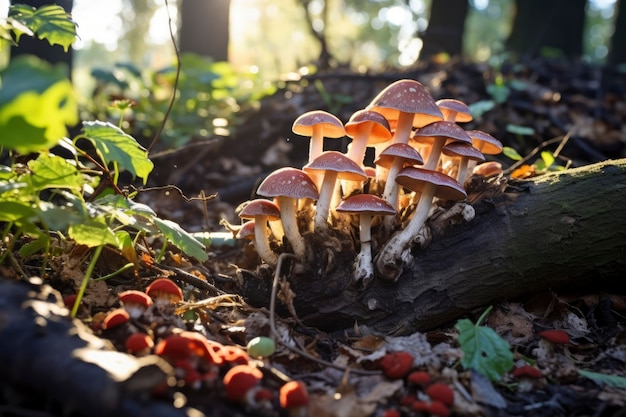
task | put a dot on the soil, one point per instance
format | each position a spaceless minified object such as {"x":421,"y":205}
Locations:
{"x":574,"y":109}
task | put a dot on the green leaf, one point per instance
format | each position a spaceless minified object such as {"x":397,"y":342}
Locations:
{"x":612,"y":380}
{"x":548,"y":158}
{"x":520,"y":130}
{"x":52,"y":171}
{"x":481,"y":107}
{"x":11,"y":211}
{"x":93,"y":232}
{"x":511,"y":153}
{"x":37,"y":102}
{"x":484,"y":350}
{"x":116,"y":146}
{"x":181,"y":239}
{"x":49,"y":22}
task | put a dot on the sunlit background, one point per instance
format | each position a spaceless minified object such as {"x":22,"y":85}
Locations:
{"x":272,"y":36}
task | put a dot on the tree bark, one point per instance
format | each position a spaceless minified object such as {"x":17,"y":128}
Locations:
{"x":539,"y":25}
{"x":204,"y":28}
{"x":445,"y":28}
{"x":559,"y":230}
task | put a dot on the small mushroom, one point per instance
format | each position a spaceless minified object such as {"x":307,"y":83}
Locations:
{"x":366,"y":206}
{"x":332,"y":165}
{"x":454,"y":110}
{"x":440,"y":392}
{"x":396,"y":365}
{"x":464,"y":152}
{"x":239,"y":380}
{"x":138,"y":344}
{"x":395,"y":157}
{"x":115,"y":318}
{"x":527,"y":376}
{"x":164,"y":291}
{"x":262,"y":211}
{"x":135,"y":302}
{"x":294,"y":398}
{"x":438,"y":134}
{"x":287,"y":185}
{"x":429,"y":184}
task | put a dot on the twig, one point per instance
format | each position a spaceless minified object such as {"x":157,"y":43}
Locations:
{"x":537,"y":149}
{"x":294,"y":349}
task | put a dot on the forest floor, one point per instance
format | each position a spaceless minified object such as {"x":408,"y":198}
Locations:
{"x":574,"y":110}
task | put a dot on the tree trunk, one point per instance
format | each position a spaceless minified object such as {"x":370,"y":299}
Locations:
{"x":560,"y":230}
{"x":548,"y":28}
{"x":445,"y":28}
{"x":617,"y":55}
{"x":204,"y":28}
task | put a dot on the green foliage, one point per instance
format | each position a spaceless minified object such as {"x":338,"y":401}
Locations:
{"x":604,"y":379}
{"x":210,"y":95}
{"x":49,"y":22}
{"x":71,"y":190}
{"x":483,"y":349}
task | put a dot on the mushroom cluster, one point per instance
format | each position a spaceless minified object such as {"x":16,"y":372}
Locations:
{"x":422,"y":159}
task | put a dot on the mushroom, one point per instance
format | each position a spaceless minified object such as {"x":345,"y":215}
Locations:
{"x":239,"y":380}
{"x":366,"y":206}
{"x":138,"y":344}
{"x":485,"y":143}
{"x":164,"y":291}
{"x":262,"y":211}
{"x":438,"y":134}
{"x":429,"y":184}
{"x":440,"y":392}
{"x":287,"y":185}
{"x":400,"y":154}
{"x":409,"y":103}
{"x":454,"y":110}
{"x":465,"y":152}
{"x":318,"y":124}
{"x":115,"y":318}
{"x":396,"y":365}
{"x":332,"y":165}
{"x":527,"y":376}
{"x":294,"y":398}
{"x":135,"y":302}
{"x":488,"y":169}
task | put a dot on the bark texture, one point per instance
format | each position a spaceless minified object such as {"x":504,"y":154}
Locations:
{"x":559,"y":230}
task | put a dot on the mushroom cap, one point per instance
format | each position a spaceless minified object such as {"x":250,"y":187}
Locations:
{"x":246,"y":231}
{"x":365,"y":203}
{"x":558,"y":337}
{"x":527,"y":371}
{"x":407,"y":96}
{"x":115,"y":318}
{"x":490,"y":145}
{"x":380,"y":129}
{"x":462,"y":149}
{"x":135,"y":297}
{"x":240,"y":379}
{"x":138,"y":342}
{"x":165,"y":286}
{"x":346,"y":168}
{"x":446,"y":187}
{"x":409,"y":154}
{"x":288,"y":182}
{"x":488,"y":169}
{"x":450,"y":107}
{"x":445,"y":129}
{"x":260,"y":207}
{"x":293,"y":394}
{"x":186,"y":344}
{"x":332,"y":126}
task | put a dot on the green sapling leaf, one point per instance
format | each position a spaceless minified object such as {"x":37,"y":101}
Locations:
{"x":50,"y":22}
{"x":484,"y":350}
{"x":182,"y":239}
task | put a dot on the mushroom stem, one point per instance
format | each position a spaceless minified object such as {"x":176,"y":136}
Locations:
{"x":403,"y":128}
{"x":323,"y":203}
{"x":435,"y":153}
{"x":387,"y":258}
{"x":461,"y":174}
{"x":363,"y":265}
{"x":261,"y":243}
{"x":316,"y":147}
{"x":290,"y":225}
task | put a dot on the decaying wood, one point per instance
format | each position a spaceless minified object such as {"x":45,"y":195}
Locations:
{"x":560,"y":230}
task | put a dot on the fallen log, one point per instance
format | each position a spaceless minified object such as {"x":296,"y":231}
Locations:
{"x":560,"y":230}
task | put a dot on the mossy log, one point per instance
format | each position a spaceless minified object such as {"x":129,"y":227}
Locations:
{"x":560,"y":230}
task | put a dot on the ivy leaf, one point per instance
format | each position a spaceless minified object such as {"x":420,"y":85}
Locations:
{"x":116,"y":146}
{"x":50,"y":22}
{"x":181,"y":239}
{"x":52,"y":171}
{"x":484,"y":350}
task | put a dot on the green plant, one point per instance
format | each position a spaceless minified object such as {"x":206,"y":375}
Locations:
{"x":210,"y":96}
{"x":57,"y":192}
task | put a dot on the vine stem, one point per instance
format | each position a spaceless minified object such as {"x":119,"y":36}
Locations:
{"x":83,"y":284}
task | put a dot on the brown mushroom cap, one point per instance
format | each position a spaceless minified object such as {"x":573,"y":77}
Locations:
{"x":288,"y":182}
{"x":484,"y":142}
{"x":345,"y":167}
{"x":260,"y":207}
{"x":366,"y":204}
{"x":446,"y":187}
{"x":454,"y":110}
{"x":399,"y":150}
{"x":462,"y":149}
{"x":408,"y":96}
{"x":332,"y":126}
{"x":441,"y":129}
{"x":246,"y":231}
{"x":135,"y":297}
{"x":380,"y":131}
